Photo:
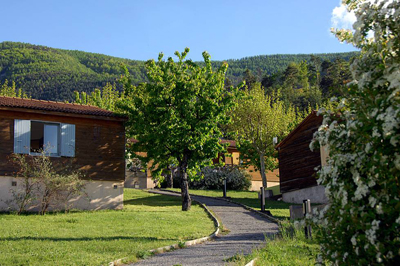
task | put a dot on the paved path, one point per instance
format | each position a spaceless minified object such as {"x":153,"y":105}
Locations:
{"x":247,"y":231}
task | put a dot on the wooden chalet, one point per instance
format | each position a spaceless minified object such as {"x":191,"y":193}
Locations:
{"x":89,"y":139}
{"x":297,"y":163}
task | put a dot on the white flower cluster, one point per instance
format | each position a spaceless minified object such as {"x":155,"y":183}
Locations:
{"x":363,"y":137}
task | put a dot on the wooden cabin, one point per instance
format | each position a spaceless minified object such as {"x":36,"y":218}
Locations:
{"x":87,"y":138}
{"x":233,"y":158}
{"x":297,"y":163}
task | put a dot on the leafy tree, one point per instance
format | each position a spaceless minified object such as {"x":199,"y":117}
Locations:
{"x":361,"y":225}
{"x":177,"y":113}
{"x":11,"y":91}
{"x":315,"y":69}
{"x":337,"y":76}
{"x":249,"y":78}
{"x":105,"y":97}
{"x":257,"y":120}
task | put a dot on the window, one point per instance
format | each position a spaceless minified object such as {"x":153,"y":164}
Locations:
{"x":31,"y":137}
{"x":45,"y":136}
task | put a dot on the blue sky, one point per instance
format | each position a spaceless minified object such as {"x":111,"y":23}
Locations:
{"x":138,"y":29}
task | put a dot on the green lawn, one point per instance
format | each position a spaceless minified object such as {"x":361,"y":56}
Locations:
{"x":147,"y":221}
{"x":278,"y":209}
{"x":289,"y":248}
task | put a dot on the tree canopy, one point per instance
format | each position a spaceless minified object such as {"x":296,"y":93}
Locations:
{"x":257,"y":119}
{"x":177,"y":114}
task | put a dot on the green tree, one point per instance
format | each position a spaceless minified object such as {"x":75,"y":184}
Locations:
{"x":361,"y":225}
{"x":177,"y":113}
{"x":105,"y":97}
{"x":11,"y":91}
{"x":337,"y":76}
{"x":249,"y":78}
{"x":257,"y":119}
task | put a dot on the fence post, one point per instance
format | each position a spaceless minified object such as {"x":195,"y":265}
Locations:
{"x":224,"y":188}
{"x":307,"y":209}
{"x":262,"y":196}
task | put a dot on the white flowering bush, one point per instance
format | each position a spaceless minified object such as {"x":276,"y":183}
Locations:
{"x":213,"y":178}
{"x":361,"y":225}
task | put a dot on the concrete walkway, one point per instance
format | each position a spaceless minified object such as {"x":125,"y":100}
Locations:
{"x":247,"y":231}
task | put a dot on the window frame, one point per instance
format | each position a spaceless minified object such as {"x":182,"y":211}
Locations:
{"x":66,"y":138}
{"x":59,"y":140}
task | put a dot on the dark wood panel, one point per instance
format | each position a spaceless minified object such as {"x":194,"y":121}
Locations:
{"x":296,"y":161}
{"x":99,"y":145}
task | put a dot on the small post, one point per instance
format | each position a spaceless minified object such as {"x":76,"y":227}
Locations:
{"x":262,"y":195}
{"x":224,"y":188}
{"x":307,"y":209}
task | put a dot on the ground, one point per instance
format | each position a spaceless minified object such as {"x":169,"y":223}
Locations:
{"x":97,"y":237}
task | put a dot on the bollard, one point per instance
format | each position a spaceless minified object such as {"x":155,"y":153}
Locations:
{"x":307,"y":209}
{"x":262,"y":195}
{"x":224,"y":188}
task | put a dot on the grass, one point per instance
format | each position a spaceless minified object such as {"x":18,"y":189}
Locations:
{"x":147,"y":221}
{"x":278,"y":209}
{"x":290,"y":247}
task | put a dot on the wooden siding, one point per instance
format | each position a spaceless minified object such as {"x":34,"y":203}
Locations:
{"x":99,"y":145}
{"x":296,"y":160}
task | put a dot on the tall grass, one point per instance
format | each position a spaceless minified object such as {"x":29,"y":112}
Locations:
{"x":289,"y":247}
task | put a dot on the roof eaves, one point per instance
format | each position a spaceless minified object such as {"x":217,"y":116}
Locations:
{"x":294,"y":131}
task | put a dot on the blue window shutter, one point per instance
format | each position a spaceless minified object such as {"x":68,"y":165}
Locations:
{"x":67,"y":140}
{"x":22,"y":136}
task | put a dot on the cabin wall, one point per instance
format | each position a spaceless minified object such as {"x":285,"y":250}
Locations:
{"x":297,"y":162}
{"x":99,"y":145}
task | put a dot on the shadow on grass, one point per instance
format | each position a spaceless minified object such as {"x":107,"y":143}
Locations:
{"x":269,"y":204}
{"x":56,"y":239}
{"x":155,"y":200}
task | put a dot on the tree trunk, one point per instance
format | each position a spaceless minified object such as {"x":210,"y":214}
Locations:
{"x":262,"y":170}
{"x":186,"y":200}
{"x":170,"y":178}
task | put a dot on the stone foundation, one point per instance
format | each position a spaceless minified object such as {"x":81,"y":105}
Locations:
{"x":98,"y":195}
{"x":316,"y":194}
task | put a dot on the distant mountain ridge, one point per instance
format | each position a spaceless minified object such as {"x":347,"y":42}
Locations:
{"x":54,"y":74}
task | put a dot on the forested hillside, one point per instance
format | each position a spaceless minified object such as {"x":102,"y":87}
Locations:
{"x":54,"y":74}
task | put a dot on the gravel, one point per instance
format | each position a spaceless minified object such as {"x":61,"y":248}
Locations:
{"x":248,"y":230}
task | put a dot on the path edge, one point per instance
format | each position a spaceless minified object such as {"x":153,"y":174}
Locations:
{"x":252,"y":262}
{"x":269,"y":217}
{"x":160,"y":250}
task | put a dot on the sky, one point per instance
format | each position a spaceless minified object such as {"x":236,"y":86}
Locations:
{"x":141,"y":29}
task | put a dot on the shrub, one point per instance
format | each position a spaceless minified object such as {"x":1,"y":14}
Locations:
{"x":213,"y":178}
{"x":43,"y":184}
{"x":361,"y":224}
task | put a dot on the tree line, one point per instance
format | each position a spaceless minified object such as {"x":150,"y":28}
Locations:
{"x":54,"y":74}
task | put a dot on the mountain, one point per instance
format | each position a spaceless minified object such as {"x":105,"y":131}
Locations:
{"x":54,"y":74}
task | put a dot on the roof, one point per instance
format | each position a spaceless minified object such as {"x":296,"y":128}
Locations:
{"x":232,"y":143}
{"x":294,"y":131}
{"x":41,"y":105}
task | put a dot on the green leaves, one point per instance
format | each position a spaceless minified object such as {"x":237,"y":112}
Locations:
{"x":177,"y":113}
{"x":257,"y":119}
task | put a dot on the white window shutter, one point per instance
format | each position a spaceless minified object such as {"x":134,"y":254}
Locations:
{"x":22,"y":136}
{"x":68,"y":140}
